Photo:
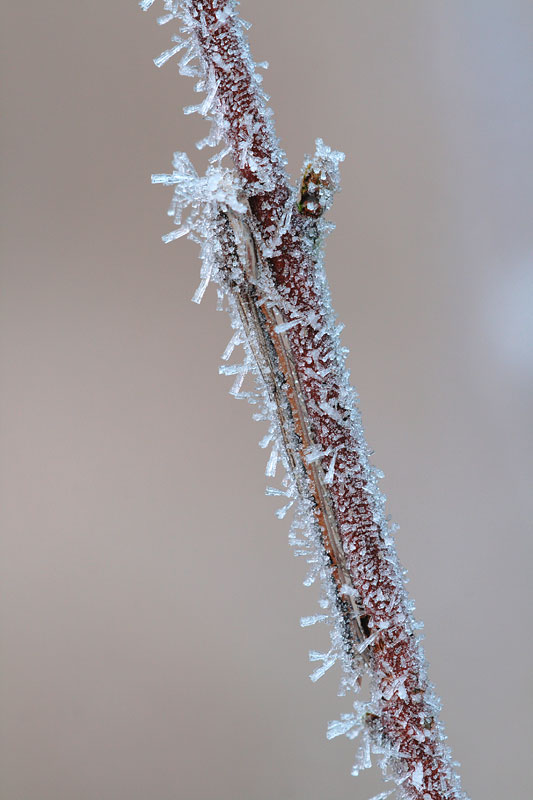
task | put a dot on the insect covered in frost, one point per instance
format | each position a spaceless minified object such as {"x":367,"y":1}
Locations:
{"x":262,"y":317}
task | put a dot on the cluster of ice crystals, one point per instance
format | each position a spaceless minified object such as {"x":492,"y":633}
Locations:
{"x":219,"y":188}
{"x":205,"y":196}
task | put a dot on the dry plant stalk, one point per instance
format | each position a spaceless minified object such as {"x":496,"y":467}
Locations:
{"x":262,"y":243}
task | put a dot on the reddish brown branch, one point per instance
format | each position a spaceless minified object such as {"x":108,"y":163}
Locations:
{"x":355,"y":535}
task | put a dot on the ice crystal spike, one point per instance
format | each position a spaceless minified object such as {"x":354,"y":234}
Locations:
{"x":261,"y":243}
{"x":305,"y":622}
{"x":343,"y":727}
{"x":167,"y":54}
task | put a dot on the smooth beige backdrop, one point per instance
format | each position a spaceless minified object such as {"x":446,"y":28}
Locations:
{"x":150,"y":603}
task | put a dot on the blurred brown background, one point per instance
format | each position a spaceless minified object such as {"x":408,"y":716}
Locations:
{"x":150,"y":603}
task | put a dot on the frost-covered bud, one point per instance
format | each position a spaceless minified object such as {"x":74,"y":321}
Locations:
{"x":320,"y":180}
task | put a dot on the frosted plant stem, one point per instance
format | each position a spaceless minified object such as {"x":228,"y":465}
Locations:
{"x":262,"y":243}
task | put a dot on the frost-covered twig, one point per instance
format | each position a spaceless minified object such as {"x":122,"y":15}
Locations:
{"x":261,"y":242}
